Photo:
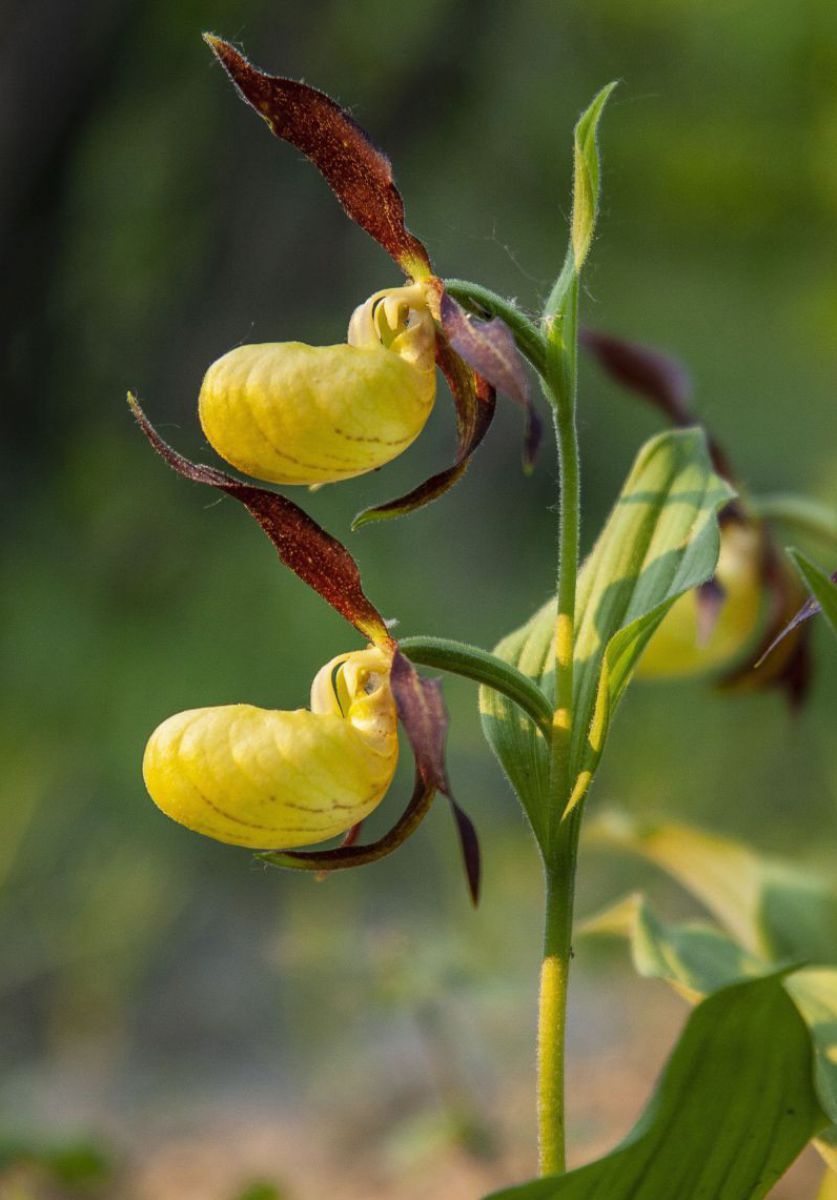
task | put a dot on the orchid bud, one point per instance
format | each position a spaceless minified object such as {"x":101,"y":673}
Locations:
{"x":274,"y":780}
{"x":289,"y":413}
{"x":687,"y":643}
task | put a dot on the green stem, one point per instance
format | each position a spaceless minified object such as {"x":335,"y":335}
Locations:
{"x":800,"y":512}
{"x":484,"y":668}
{"x":563,"y":826}
{"x":561,"y":389}
{"x":552,"y":1008}
{"x":530,"y":341}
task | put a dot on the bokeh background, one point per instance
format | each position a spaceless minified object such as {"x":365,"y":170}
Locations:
{"x":171,"y":1012}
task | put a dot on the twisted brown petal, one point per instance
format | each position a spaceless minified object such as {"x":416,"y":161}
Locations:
{"x":311,"y":553}
{"x":359,"y":174}
{"x":475,"y":402}
{"x":489,"y":347}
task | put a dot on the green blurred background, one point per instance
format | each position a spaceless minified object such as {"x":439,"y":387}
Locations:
{"x":154,"y":984}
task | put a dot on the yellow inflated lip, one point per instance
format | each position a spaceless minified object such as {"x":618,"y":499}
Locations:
{"x":271,"y":779}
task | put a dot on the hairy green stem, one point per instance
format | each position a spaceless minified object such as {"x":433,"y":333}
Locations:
{"x":552,"y":1007}
{"x":563,"y":825}
{"x":473,"y":663}
{"x":552,"y":351}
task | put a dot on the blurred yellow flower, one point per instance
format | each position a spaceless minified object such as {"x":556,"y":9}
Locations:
{"x":678,"y":649}
{"x":289,"y":413}
{"x":274,"y":780}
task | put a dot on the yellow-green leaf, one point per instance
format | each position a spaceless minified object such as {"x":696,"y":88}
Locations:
{"x":660,"y":540}
{"x":775,"y":910}
{"x":696,"y":958}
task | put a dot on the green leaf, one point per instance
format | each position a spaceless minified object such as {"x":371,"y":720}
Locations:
{"x":823,"y":589}
{"x":734,"y":1107}
{"x":696,"y":958}
{"x":660,"y":540}
{"x":777,"y":911}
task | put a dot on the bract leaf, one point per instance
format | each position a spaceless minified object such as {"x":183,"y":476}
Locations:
{"x":586,"y":170}
{"x":660,"y":540}
{"x":359,"y":174}
{"x":696,"y":958}
{"x":520,"y":747}
{"x":311,"y":553}
{"x":489,"y":347}
{"x":734,"y":1107}
{"x":475,"y":402}
{"x":560,"y":316}
{"x":775,"y":910}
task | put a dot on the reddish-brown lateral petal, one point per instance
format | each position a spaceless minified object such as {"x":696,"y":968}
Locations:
{"x":784,"y":662}
{"x":421,"y":710}
{"x":489,"y":347}
{"x":475,"y":402}
{"x":470,"y":847}
{"x":345,"y":856}
{"x":710,"y":602}
{"x":359,"y":174}
{"x":311,"y":553}
{"x":655,"y":375}
{"x":809,"y":609}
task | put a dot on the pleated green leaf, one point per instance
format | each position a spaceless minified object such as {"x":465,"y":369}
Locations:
{"x":660,"y":540}
{"x":734,"y":1107}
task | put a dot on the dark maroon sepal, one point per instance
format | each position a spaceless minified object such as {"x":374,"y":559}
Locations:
{"x":311,"y":553}
{"x":359,"y":174}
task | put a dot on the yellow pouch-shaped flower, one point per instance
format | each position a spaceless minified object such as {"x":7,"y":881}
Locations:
{"x":677,"y":650}
{"x":274,"y":780}
{"x":290,"y":413}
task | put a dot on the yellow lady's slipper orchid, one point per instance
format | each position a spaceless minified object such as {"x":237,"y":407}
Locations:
{"x":677,"y":650}
{"x":289,"y":413}
{"x":274,"y":780}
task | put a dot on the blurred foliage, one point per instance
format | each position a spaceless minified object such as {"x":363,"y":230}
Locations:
{"x":148,"y":224}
